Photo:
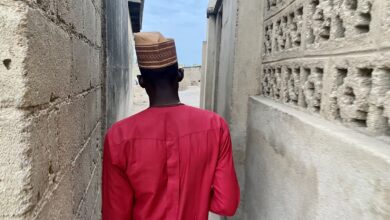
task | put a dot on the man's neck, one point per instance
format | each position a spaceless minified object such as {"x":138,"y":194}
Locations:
{"x":160,"y":102}
{"x":164,"y":98}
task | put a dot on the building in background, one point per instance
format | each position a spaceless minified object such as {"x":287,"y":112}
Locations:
{"x":305,"y":87}
{"x":192,"y":76}
{"x":64,"y":78}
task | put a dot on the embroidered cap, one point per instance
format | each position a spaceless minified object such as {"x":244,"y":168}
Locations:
{"x":154,"y":51}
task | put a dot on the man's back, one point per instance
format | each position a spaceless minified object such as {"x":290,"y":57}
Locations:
{"x":169,"y":163}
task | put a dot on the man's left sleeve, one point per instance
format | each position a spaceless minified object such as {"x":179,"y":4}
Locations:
{"x":226,"y":191}
{"x":117,"y":194}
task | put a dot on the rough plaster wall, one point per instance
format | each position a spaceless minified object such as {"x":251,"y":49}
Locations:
{"x":50,"y":109}
{"x":237,"y":76}
{"x":203,"y":75}
{"x":224,"y":74}
{"x":118,"y":61}
{"x":300,"y":166}
{"x":211,"y":54}
{"x":245,"y":82}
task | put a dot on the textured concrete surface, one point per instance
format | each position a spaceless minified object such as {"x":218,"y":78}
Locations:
{"x":231,"y":73}
{"x":120,"y":55}
{"x":300,"y":166}
{"x":225,"y":45}
{"x":327,"y":59}
{"x":213,"y":38}
{"x":50,"y":109}
{"x":323,"y":57}
{"x":203,"y":75}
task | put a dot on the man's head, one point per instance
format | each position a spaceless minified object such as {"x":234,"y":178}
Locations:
{"x":157,"y":60}
{"x":162,"y":78}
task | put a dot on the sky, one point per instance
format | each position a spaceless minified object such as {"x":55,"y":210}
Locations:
{"x":183,"y":20}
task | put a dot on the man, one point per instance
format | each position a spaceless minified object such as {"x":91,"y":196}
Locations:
{"x":171,"y":161}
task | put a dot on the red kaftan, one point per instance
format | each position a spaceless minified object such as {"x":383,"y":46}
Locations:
{"x":169,"y":163}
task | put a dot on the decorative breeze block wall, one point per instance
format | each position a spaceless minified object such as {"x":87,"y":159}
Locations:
{"x":330,"y":58}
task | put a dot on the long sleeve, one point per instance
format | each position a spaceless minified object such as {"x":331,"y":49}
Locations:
{"x":117,"y":194}
{"x":226,"y":193}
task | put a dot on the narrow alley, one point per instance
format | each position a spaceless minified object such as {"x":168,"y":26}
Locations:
{"x":304,"y":86}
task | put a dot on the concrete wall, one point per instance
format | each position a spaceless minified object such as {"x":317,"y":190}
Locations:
{"x":225,"y":62}
{"x":330,"y":59}
{"x":119,"y":61}
{"x":327,"y":60}
{"x":50,"y":111}
{"x":59,"y":66}
{"x":323,"y":59}
{"x":300,"y":166}
{"x":232,"y":77}
{"x":212,"y":51}
{"x":203,"y":75}
{"x":245,"y":82}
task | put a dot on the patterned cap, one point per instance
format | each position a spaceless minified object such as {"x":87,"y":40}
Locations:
{"x":154,"y":51}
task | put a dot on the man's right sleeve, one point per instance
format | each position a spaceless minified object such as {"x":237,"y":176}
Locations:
{"x":226,"y":192}
{"x":117,"y":194}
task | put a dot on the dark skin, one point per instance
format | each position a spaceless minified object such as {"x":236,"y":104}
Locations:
{"x":162,"y":92}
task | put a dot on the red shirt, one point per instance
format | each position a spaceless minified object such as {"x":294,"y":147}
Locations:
{"x":169,"y":163}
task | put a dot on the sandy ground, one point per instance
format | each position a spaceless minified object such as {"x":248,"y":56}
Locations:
{"x":189,"y":96}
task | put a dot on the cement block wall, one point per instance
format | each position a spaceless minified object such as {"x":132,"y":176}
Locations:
{"x":50,"y":109}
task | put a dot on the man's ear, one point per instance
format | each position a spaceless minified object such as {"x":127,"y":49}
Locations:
{"x":180,"y":74}
{"x":141,"y":81}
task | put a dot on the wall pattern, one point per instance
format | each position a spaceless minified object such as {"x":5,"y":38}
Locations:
{"x":330,"y":58}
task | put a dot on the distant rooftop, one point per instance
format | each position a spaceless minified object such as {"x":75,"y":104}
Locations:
{"x":136,"y":9}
